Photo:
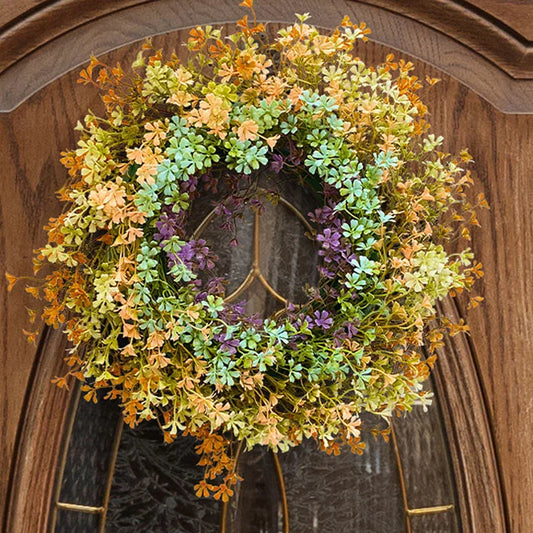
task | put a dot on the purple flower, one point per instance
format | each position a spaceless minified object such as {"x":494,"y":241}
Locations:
{"x":221,"y":209}
{"x":216,"y":286}
{"x":277,"y":163}
{"x":227,"y":343}
{"x":255,"y":321}
{"x":200,"y":296}
{"x":190,"y":185}
{"x":338,"y":336}
{"x":351,"y":329}
{"x":296,"y":155}
{"x":195,"y":255}
{"x":257,"y":204}
{"x":233,"y":313}
{"x":209,"y":182}
{"x":320,"y":215}
{"x":325,"y":273}
{"x":330,"y":239}
{"x":331,"y":292}
{"x":167,"y":226}
{"x":186,"y":253}
{"x":320,"y":319}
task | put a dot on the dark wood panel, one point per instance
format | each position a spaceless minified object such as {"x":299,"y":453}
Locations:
{"x":34,"y":134}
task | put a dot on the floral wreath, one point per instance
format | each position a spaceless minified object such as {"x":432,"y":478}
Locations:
{"x":134,"y":291}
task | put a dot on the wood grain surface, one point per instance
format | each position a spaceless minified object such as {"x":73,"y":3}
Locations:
{"x":502,"y":334}
{"x":516,"y":14}
{"x":475,"y":28}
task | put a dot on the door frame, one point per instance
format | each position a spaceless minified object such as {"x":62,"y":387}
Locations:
{"x":39,"y":440}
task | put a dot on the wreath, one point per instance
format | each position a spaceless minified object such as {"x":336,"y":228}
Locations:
{"x":134,"y":289}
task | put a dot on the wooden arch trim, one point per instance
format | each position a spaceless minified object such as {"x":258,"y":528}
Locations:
{"x":477,"y":475}
{"x":39,"y":440}
{"x":475,"y":28}
{"x":45,"y":43}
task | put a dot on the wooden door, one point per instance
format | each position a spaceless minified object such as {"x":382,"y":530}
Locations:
{"x":481,"y":50}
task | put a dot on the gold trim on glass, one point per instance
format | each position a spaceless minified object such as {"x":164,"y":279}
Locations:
{"x":430,"y":510}
{"x":64,"y":454}
{"x":420,"y":510}
{"x":401,"y":477}
{"x":89,"y":509}
{"x":224,"y":519}
{"x":111,"y":471}
{"x":284,"y":500}
{"x":255,"y":271}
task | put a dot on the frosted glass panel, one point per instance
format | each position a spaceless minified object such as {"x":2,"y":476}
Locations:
{"x":347,"y":493}
{"x":435,"y":523}
{"x":89,"y":453}
{"x":74,"y":522}
{"x":257,"y":506}
{"x":424,"y":452}
{"x":153,"y":486}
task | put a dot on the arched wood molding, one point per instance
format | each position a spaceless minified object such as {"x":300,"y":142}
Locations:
{"x":478,"y":480}
{"x":473,"y":27}
{"x":461,"y":41}
{"x":39,"y":440}
{"x":466,"y":23}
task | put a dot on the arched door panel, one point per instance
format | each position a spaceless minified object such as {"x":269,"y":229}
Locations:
{"x":37,"y":130}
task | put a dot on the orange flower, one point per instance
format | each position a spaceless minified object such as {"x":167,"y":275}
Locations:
{"x":11,"y":280}
{"x":202,"y":489}
{"x":247,"y":130}
{"x":155,"y":340}
{"x":197,"y":38}
{"x":130,"y":331}
{"x":223,"y":492}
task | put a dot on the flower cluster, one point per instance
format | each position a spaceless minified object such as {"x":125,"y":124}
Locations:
{"x":135,"y":290}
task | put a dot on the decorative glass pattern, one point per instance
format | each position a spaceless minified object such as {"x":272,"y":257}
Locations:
{"x":445,"y":522}
{"x":89,"y":454}
{"x":153,"y":484}
{"x":76,"y":522}
{"x":422,"y":447}
{"x":275,"y":257}
{"x":345,"y":493}
{"x":258,"y":504}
